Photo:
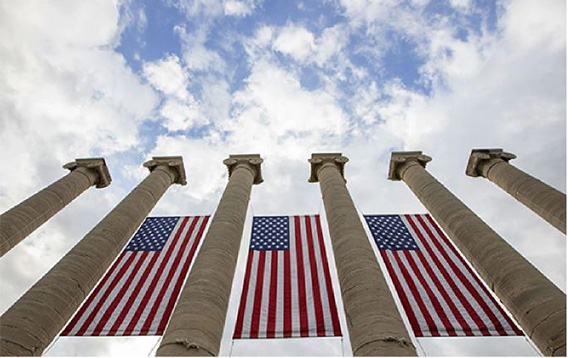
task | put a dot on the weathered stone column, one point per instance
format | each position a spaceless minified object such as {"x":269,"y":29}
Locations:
{"x":374,"y":322}
{"x":38,"y":316}
{"x":547,"y":202}
{"x":24,"y":218}
{"x":535,"y":302}
{"x":197,"y":322}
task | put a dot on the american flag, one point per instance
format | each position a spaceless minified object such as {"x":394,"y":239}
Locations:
{"x":287,"y":290}
{"x":439,"y":291}
{"x":138,"y":293}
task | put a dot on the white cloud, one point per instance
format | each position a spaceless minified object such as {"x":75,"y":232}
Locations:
{"x":295,"y":41}
{"x":195,"y":54}
{"x":168,"y":76}
{"x":304,"y":47}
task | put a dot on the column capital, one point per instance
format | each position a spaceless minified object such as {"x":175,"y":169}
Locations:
{"x":250,"y":161}
{"x":481,"y":156}
{"x":318,"y":160}
{"x":97,"y":165}
{"x":400,"y":158}
{"x":176,"y":163}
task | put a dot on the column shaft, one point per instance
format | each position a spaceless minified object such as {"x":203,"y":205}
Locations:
{"x":547,"y":202}
{"x":374,"y":322}
{"x":39,"y":315}
{"x":26,"y":217}
{"x":196,"y":326}
{"x":535,"y":302}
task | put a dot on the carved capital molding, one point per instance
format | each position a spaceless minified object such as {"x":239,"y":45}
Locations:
{"x":176,"y":163}
{"x":249,"y":161}
{"x":480,"y":157}
{"x":319,"y":160}
{"x":98,"y":165}
{"x":398,"y":159}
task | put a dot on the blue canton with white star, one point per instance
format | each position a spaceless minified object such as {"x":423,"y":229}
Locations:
{"x":270,"y":233}
{"x":390,"y":233}
{"x":153,"y":234}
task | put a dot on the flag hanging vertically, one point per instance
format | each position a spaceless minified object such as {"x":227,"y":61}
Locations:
{"x":138,"y":293}
{"x":439,"y":291}
{"x":287,"y":289}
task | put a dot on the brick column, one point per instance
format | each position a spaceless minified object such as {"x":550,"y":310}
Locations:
{"x":547,"y":202}
{"x":24,"y":218}
{"x":197,"y":322}
{"x":374,"y":322}
{"x":41,"y":313}
{"x":535,"y":302}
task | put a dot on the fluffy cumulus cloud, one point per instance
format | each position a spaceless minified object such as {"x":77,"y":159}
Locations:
{"x":180,"y":110}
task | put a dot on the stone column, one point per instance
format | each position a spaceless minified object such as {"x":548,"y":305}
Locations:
{"x":197,"y":322}
{"x":374,"y":322}
{"x":535,"y":302}
{"x":24,"y":218}
{"x":547,"y":202}
{"x":39,"y":315}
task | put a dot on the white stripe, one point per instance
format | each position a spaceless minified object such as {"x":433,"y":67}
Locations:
{"x":310,"y":306}
{"x":321,"y":278}
{"x":408,"y":293}
{"x":294,"y":306}
{"x":162,"y":278}
{"x":147,"y":281}
{"x":429,"y":306}
{"x":96,"y":300}
{"x":177,"y":273}
{"x":113,"y":293}
{"x":126,"y":297}
{"x":459,"y":285}
{"x":441,"y":279}
{"x":264,"y":300}
{"x":247,"y":317}
{"x":279,"y":325}
{"x":488,"y":300}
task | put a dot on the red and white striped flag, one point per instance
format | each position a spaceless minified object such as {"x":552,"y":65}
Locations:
{"x":287,"y":290}
{"x":137,"y":295}
{"x":439,"y":291}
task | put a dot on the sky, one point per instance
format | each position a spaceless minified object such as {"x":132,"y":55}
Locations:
{"x":128,"y":80}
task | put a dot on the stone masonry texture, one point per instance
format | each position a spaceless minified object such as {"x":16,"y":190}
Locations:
{"x":535,"y":302}
{"x":24,"y":218}
{"x":544,"y":200}
{"x":197,"y":322}
{"x":38,"y":316}
{"x":373,"y":320}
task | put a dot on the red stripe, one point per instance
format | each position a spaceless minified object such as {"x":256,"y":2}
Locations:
{"x":417,"y":297}
{"x":169,"y":278}
{"x":141,"y":256}
{"x":143,"y":304}
{"x":402,"y":295}
{"x":94,"y":294}
{"x":302,"y":305}
{"x":177,"y":288}
{"x":451,"y":280}
{"x":327,"y":276}
{"x":271,"y":320}
{"x":475,"y":277}
{"x":439,"y":310}
{"x":320,"y":324}
{"x":434,"y":276}
{"x":244,"y":294}
{"x":128,"y":306}
{"x":287,"y":296}
{"x":255,"y":320}
{"x":475,"y":293}
{"x":105,"y":295}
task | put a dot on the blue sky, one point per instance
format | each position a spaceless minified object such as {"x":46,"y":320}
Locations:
{"x":128,"y":79}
